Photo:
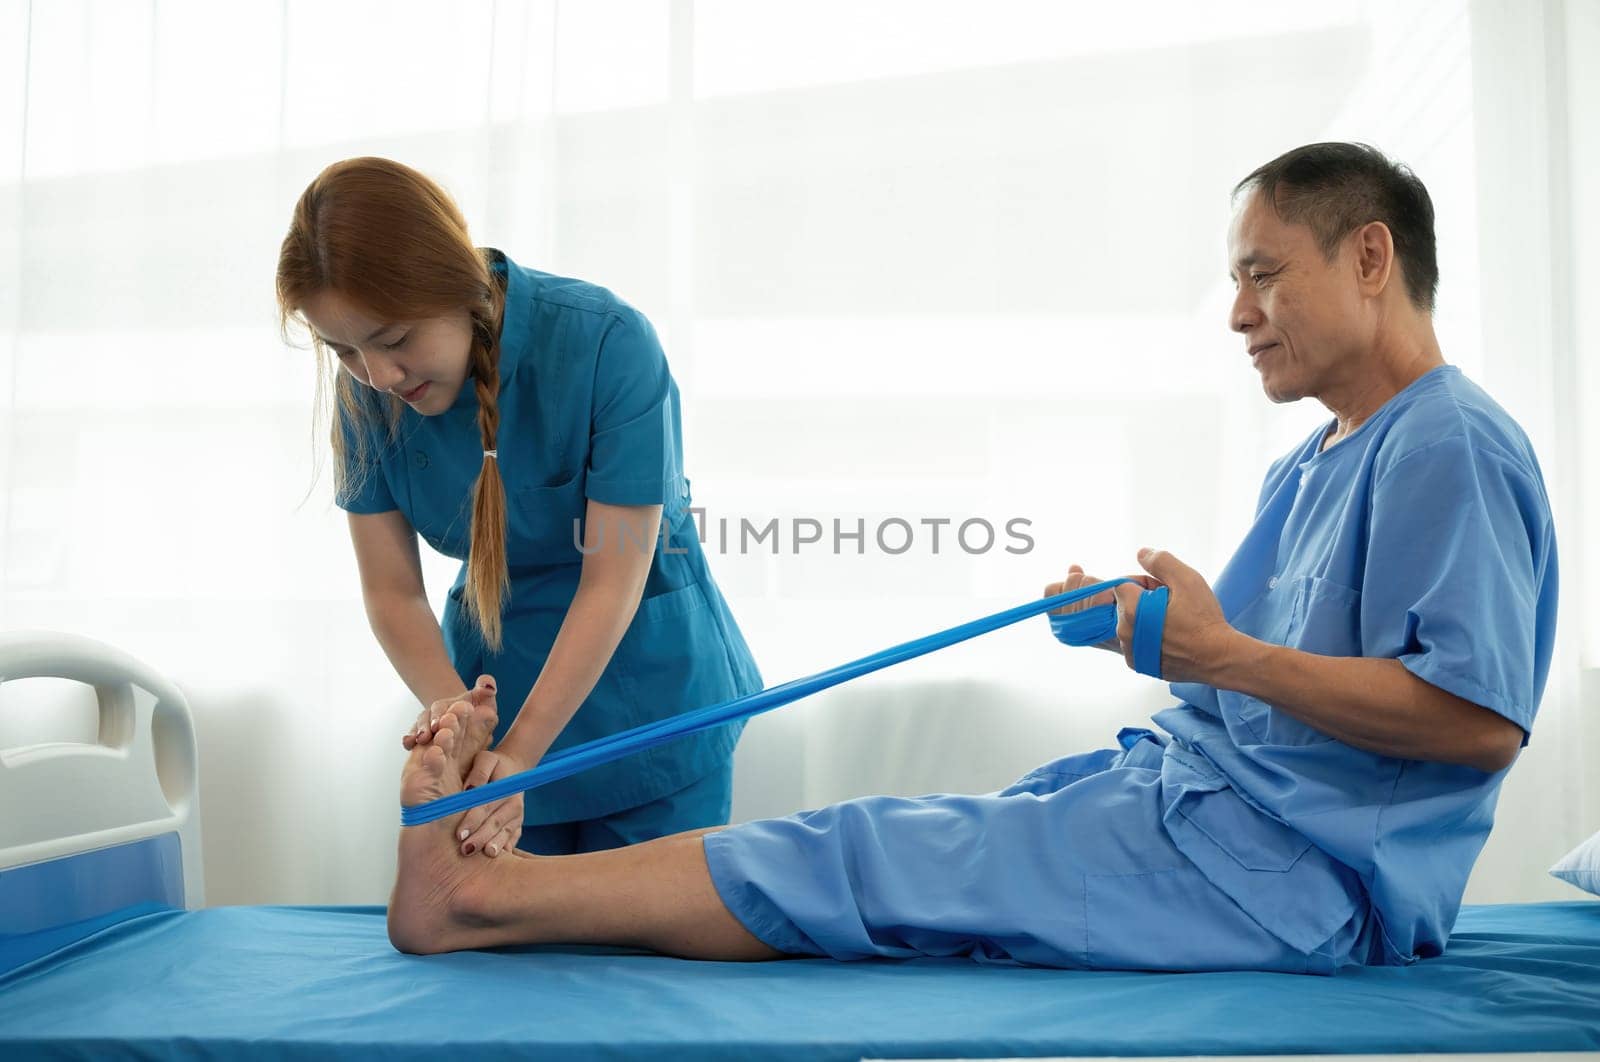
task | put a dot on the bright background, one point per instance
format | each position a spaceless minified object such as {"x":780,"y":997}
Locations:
{"x":908,"y":259}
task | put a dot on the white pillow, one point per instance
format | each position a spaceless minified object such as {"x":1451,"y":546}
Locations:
{"x":1581,"y":866}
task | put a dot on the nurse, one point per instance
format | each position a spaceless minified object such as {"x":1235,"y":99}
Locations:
{"x":528,"y":425}
{"x":1352,"y":692}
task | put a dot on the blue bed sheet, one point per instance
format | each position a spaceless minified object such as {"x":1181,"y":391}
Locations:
{"x":298,"y":982}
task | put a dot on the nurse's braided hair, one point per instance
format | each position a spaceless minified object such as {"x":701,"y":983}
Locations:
{"x":488,"y":580}
{"x":389,"y":239}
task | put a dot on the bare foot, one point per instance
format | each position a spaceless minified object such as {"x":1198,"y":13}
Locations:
{"x":436,"y":902}
{"x":474,"y":723}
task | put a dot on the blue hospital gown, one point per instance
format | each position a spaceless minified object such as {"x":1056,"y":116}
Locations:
{"x":1241,"y":837}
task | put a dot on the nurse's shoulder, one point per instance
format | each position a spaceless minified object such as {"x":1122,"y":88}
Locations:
{"x":579,"y":316}
{"x":570,"y":293}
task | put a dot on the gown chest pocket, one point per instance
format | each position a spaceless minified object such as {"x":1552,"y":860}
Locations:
{"x":544,"y":524}
{"x":1325,"y":618}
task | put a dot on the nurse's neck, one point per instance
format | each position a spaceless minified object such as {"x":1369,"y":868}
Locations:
{"x":1398,"y":357}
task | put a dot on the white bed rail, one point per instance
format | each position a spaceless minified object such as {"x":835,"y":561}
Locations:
{"x":139,"y":780}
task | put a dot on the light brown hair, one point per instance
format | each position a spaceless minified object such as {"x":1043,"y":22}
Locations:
{"x":387,"y":238}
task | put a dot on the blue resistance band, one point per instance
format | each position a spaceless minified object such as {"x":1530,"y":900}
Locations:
{"x":1088,"y":627}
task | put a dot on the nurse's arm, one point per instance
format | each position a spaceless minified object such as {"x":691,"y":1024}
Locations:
{"x":1372,"y":703}
{"x":397,"y":605}
{"x":619,"y":545}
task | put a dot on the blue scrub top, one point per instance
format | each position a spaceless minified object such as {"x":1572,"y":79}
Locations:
{"x":588,"y":409}
{"x":1424,"y":536}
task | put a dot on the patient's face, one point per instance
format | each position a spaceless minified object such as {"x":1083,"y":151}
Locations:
{"x":1302,"y":317}
{"x":423,"y":361}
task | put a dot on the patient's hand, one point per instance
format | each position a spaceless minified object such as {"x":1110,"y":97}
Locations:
{"x":1076,"y":578}
{"x":1196,"y":638}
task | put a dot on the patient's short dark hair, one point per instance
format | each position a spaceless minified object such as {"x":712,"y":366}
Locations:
{"x":1336,"y":188}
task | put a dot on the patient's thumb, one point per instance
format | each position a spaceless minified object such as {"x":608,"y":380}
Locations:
{"x":1165,"y":567}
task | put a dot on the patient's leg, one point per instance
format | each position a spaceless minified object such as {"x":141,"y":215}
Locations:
{"x":656,"y":895}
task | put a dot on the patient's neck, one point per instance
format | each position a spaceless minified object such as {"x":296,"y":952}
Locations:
{"x":1398,"y":358}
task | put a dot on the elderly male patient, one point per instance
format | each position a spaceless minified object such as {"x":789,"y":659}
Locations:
{"x":1353,"y":688}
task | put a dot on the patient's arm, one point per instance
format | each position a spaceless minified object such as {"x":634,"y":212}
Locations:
{"x":1373,"y":704}
{"x":1370,"y":703}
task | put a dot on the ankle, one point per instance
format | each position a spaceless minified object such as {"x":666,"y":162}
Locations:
{"x":473,"y":901}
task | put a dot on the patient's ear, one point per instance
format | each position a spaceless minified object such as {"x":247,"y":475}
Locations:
{"x":1374,"y":250}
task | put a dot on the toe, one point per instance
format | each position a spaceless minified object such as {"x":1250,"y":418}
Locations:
{"x":445,"y":741}
{"x":433,"y":758}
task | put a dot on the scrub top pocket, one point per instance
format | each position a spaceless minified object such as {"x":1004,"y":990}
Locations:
{"x":545,"y":524}
{"x":673,"y":657}
{"x":673,"y":603}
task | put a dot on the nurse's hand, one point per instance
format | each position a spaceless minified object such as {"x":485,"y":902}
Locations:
{"x":427,"y":723}
{"x":1196,"y":638}
{"x":1076,"y":578}
{"x":493,"y":828}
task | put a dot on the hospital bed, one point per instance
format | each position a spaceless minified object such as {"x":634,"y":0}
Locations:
{"x":106,"y":948}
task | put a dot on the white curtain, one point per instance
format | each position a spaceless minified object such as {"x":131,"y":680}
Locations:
{"x":912,"y":261}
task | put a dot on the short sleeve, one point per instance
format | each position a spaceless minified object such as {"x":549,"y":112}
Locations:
{"x":633,"y":451}
{"x":364,"y":490}
{"x":1460,"y":540}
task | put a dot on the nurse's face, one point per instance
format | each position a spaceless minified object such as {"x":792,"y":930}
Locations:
{"x":1300,"y":315}
{"x":423,"y":361}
